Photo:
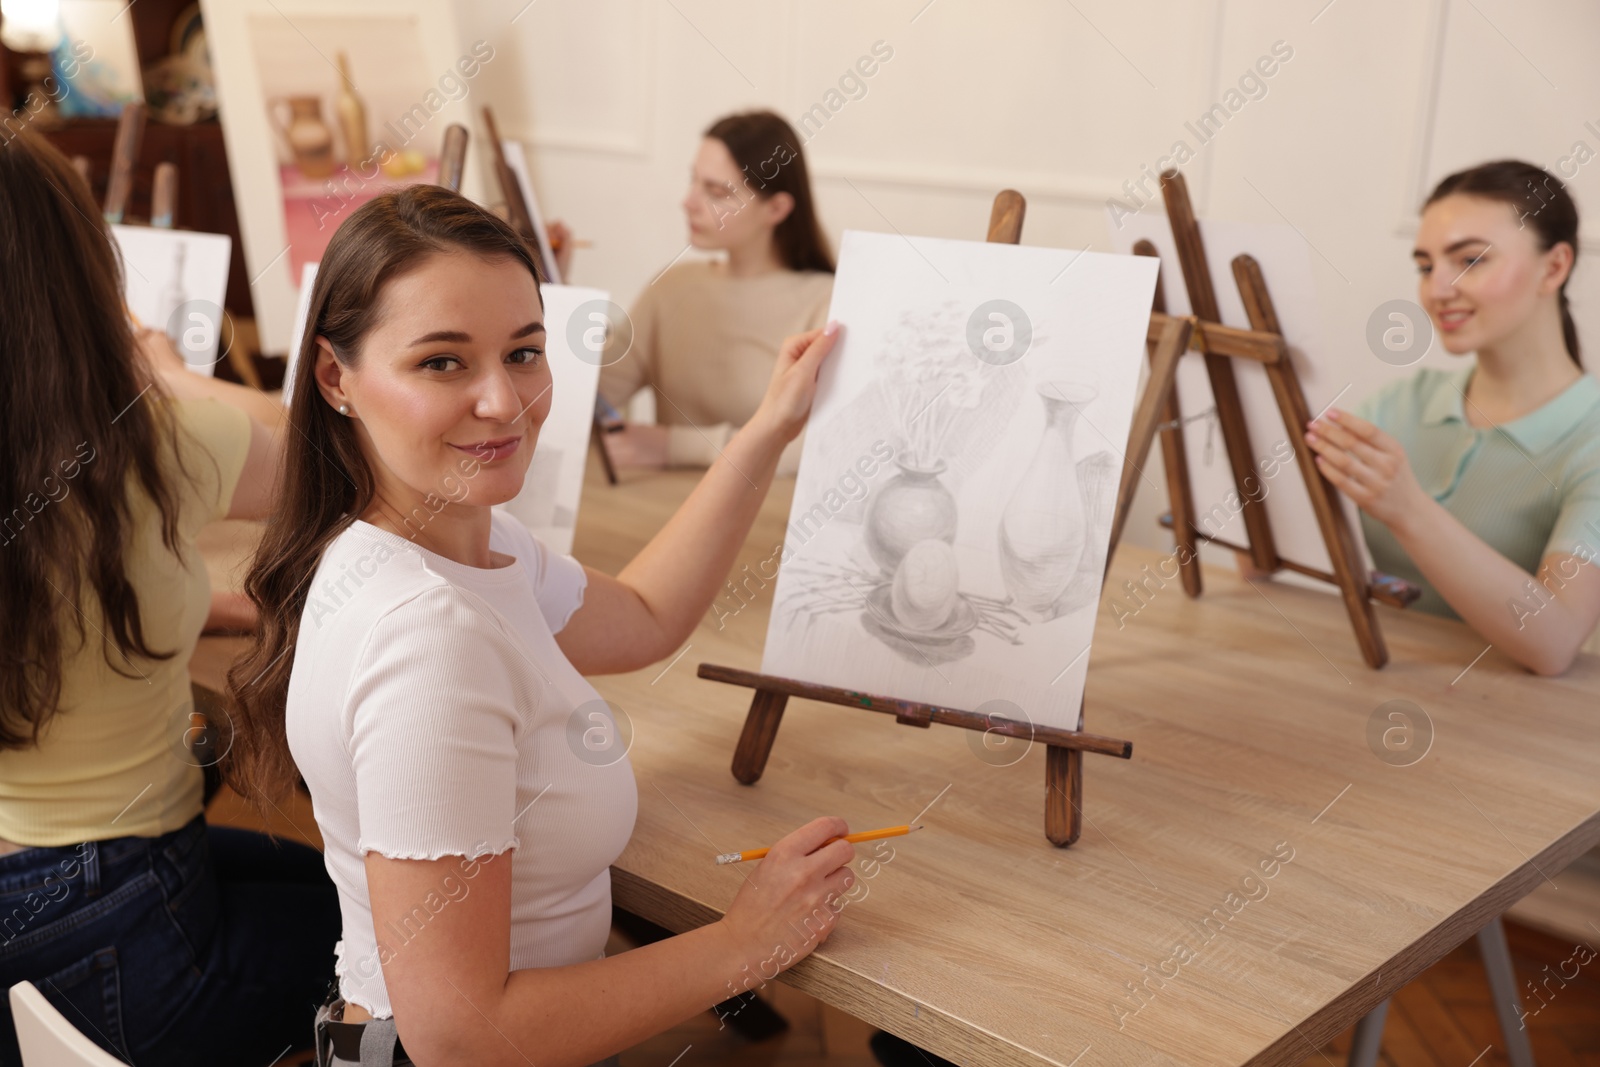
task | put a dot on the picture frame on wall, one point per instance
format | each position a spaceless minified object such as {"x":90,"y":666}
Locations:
{"x":326,"y":104}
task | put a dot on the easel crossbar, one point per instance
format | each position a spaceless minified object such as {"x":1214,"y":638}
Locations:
{"x":914,"y":713}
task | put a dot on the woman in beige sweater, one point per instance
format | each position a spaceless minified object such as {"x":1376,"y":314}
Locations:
{"x":704,"y":335}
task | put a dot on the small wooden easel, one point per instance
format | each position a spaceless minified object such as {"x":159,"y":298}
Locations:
{"x":517,"y":211}
{"x":1064,"y":749}
{"x":1263,"y":343}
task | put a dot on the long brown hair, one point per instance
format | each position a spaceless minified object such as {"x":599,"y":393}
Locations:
{"x":768,"y":151}
{"x":1540,"y":200}
{"x":76,"y":438}
{"x":327,"y":482}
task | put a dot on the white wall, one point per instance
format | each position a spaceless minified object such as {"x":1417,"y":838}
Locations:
{"x":1064,"y":102}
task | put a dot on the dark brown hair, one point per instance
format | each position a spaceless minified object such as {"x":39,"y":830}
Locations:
{"x":327,"y":483}
{"x":76,"y":439}
{"x":1540,"y":200}
{"x":768,"y":151}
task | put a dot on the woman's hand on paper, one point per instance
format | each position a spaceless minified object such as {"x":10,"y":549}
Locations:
{"x":787,"y":405}
{"x":1367,"y":465}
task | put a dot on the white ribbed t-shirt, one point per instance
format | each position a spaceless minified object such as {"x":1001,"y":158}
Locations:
{"x":432,"y":714}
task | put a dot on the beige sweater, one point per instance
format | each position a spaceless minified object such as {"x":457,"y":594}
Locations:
{"x":705,"y":342}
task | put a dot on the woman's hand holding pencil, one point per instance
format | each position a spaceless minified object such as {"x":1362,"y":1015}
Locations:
{"x":791,"y":904}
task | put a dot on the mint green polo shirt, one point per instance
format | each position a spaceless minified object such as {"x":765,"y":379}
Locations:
{"x":1528,"y":488}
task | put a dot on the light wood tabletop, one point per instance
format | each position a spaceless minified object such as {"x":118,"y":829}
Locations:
{"x":1260,"y":874}
{"x":1249,"y":711}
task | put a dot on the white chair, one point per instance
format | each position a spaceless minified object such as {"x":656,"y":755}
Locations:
{"x":47,"y":1038}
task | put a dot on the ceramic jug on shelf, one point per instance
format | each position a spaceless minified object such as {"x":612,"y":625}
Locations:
{"x":299,"y":119}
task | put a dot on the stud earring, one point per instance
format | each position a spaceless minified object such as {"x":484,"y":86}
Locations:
{"x":344,"y":409}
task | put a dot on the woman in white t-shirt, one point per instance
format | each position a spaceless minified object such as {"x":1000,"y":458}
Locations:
{"x":420,"y":662}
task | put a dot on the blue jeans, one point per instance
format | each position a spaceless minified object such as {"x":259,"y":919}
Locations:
{"x":205,"y":945}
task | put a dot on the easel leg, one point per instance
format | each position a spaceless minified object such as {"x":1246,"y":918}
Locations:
{"x":1158,"y":391}
{"x":597,"y":430}
{"x":1063,"y":797}
{"x":1330,"y":517}
{"x":1175,"y":460}
{"x":760,"y":731}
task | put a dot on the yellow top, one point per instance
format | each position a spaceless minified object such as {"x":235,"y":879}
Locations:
{"x":111,"y":761}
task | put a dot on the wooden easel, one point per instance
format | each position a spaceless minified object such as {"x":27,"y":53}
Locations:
{"x":453,"y":157}
{"x":1220,"y":345}
{"x":124,"y":154}
{"x":517,"y":211}
{"x":1064,"y":749}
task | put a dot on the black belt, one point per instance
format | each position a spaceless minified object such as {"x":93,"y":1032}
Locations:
{"x":345,"y":1038}
{"x":346,"y":1041}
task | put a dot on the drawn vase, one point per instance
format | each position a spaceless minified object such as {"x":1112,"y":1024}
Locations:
{"x":310,"y":140}
{"x":1044,"y":528}
{"x":912,"y":506}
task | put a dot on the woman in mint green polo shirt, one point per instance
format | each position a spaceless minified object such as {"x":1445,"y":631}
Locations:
{"x":1482,"y":485}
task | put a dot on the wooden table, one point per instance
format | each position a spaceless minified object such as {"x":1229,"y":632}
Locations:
{"x":1249,"y":711}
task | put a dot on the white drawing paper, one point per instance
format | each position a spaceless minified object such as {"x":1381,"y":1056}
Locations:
{"x":176,"y":281}
{"x":517,"y":160}
{"x":1286,"y":266}
{"x":952,"y":508}
{"x":548,"y":503}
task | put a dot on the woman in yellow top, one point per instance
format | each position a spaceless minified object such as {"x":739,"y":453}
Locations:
{"x":1482,"y":485}
{"x":162,"y":940}
{"x":704,"y":335}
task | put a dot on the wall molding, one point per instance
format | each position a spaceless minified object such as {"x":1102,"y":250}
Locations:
{"x":985,"y":181}
{"x":1418,"y":184}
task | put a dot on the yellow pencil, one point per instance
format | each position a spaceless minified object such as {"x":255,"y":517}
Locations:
{"x":864,"y":835}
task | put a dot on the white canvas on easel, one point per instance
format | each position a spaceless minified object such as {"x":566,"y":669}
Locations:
{"x":517,"y":160}
{"x":952,"y":509}
{"x":176,"y":281}
{"x":1286,"y":266}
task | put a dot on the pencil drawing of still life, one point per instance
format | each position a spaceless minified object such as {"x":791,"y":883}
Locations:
{"x":953,"y":506}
